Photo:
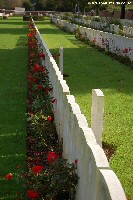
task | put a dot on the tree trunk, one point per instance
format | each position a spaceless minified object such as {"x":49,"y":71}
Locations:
{"x":97,"y":10}
{"x":123,"y":9}
{"x":84,"y":12}
{"x":123,"y":6}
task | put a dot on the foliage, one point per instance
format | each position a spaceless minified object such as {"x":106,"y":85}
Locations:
{"x":36,"y":18}
{"x":40,"y":4}
{"x":96,"y":18}
{"x":115,"y":21}
{"x":49,"y":175}
{"x":27,"y":5}
{"x":1,"y":4}
{"x":11,"y":4}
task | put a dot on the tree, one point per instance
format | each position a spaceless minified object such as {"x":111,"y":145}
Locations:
{"x":51,"y":5}
{"x":40,"y":4}
{"x":1,"y":4}
{"x":123,"y":9}
{"x":11,"y":4}
{"x":83,"y":5}
{"x":27,"y":5}
{"x":33,"y":1}
{"x":98,"y":5}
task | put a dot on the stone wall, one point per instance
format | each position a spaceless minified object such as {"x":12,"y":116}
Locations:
{"x":117,"y":14}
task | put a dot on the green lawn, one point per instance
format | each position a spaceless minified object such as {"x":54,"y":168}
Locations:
{"x":87,"y":69}
{"x":13,"y":103}
{"x":90,"y":69}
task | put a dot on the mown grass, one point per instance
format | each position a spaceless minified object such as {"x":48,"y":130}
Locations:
{"x":13,"y":104}
{"x":90,"y":69}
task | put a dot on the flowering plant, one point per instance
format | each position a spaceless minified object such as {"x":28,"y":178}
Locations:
{"x":49,"y":176}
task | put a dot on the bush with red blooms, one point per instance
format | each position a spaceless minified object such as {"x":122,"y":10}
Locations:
{"x":49,"y":176}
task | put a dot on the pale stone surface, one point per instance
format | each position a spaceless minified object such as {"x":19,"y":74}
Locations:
{"x":79,"y":141}
{"x":128,"y":31}
{"x":61,"y":50}
{"x":97,"y":114}
{"x":110,"y":187}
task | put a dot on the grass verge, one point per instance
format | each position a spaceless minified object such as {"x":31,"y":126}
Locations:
{"x":90,"y":69}
{"x":13,"y":103}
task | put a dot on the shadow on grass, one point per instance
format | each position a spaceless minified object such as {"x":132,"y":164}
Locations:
{"x":22,"y":42}
{"x":50,"y":31}
{"x":13,"y":106}
{"x":6,"y":26}
{"x":88,"y":69}
{"x":13,"y":22}
{"x":13,"y":31}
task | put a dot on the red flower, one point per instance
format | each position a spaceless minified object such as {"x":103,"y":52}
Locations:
{"x":40,"y":87}
{"x":76,"y":161}
{"x":34,"y":32}
{"x":30,"y":35}
{"x":54,"y":56}
{"x":125,"y":50}
{"x":37,"y":169}
{"x":36,"y":68}
{"x":41,"y":69}
{"x":54,"y":100}
{"x":33,"y":195}
{"x":49,"y":118}
{"x":38,"y":160}
{"x":42,"y":55}
{"x":17,"y":193}
{"x":9,"y":176}
{"x":47,"y":90}
{"x":19,"y":166}
{"x":29,"y":77}
{"x":34,"y":80}
{"x":52,"y":157}
{"x":94,"y":40}
{"x":102,"y":41}
{"x":31,"y":25}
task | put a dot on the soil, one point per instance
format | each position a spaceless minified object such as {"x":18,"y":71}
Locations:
{"x":109,"y":150}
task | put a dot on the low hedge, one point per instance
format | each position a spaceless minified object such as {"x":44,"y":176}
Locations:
{"x":35,"y":18}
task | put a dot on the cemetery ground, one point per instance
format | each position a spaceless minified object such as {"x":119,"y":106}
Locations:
{"x":13,"y":104}
{"x":87,"y":69}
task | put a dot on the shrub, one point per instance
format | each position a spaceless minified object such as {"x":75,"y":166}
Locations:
{"x":36,"y":18}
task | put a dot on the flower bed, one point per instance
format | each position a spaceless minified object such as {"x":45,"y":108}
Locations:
{"x":48,"y":175}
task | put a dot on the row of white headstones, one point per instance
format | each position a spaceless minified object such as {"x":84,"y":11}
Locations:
{"x":114,"y":43}
{"x":97,"y":180}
